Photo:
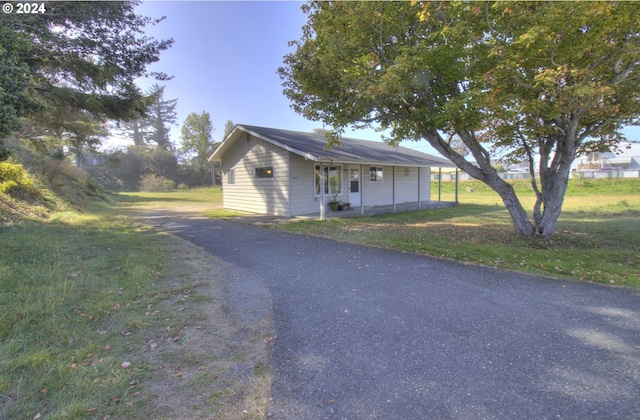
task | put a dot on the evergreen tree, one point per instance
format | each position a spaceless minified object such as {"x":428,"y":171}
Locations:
{"x":161,"y":116}
{"x":228,"y":127}
{"x":82,"y":55}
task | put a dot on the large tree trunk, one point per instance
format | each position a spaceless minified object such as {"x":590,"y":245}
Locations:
{"x":554,"y":179}
{"x":556,"y":156}
{"x":485,"y":173}
{"x":519,"y":216}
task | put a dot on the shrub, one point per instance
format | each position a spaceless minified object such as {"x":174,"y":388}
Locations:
{"x":14,"y":178}
{"x":155,"y":183}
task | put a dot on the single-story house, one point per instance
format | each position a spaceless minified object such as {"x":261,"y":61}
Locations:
{"x":289,"y":173}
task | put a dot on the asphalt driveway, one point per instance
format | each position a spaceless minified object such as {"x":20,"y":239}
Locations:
{"x":365,"y":333}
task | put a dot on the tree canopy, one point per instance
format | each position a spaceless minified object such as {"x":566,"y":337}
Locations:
{"x":79,"y":55}
{"x":509,"y":79}
{"x":155,"y":126}
{"x":196,"y":141}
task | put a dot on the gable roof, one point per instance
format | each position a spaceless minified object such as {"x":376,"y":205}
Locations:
{"x":311,"y":146}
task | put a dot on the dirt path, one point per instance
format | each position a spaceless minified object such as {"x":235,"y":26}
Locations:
{"x":212,"y":360}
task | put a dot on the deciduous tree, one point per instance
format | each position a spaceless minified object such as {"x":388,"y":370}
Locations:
{"x":513,"y":79}
{"x":197,"y":143}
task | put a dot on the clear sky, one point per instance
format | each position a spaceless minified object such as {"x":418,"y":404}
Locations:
{"x":224,"y":61}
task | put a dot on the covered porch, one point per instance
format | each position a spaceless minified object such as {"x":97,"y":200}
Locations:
{"x":386,"y":209}
{"x":359,"y":202}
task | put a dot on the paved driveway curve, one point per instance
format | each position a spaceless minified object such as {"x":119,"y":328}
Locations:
{"x":365,"y":333}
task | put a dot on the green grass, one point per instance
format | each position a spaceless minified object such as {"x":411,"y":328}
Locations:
{"x":83,"y":292}
{"x":212,"y":196}
{"x":597,"y":237}
{"x":74,"y":298}
{"x":79,"y":290}
{"x":207,"y":201}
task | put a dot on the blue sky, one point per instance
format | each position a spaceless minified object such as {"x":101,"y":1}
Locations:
{"x":224,"y":61}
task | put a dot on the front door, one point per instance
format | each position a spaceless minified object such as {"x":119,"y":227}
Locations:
{"x":354,"y":187}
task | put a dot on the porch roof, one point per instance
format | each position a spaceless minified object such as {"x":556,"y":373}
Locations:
{"x":312,"y":146}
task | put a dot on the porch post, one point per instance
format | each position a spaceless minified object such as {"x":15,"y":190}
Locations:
{"x":393,"y":187}
{"x":419,"y":198}
{"x":439,"y":185}
{"x":322,"y":215}
{"x":361,"y":193}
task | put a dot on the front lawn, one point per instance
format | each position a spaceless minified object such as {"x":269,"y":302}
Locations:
{"x":597,"y":237}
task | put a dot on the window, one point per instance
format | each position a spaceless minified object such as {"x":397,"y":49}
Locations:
{"x":375,"y":173}
{"x":264,"y":172}
{"x":231,"y":176}
{"x":332,"y":180}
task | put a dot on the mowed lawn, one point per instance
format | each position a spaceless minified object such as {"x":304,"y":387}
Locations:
{"x":597,"y":237}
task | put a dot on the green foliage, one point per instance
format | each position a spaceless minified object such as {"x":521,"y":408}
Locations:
{"x":160,"y":116}
{"x":598,"y":238}
{"x":155,"y":183}
{"x":197,"y":144}
{"x":15,"y":179}
{"x":76,"y":57}
{"x":129,"y":166}
{"x":521,"y":78}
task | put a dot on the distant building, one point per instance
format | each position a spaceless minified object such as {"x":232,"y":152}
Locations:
{"x":627,"y":159}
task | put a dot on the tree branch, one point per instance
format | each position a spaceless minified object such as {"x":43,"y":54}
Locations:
{"x":622,"y":75}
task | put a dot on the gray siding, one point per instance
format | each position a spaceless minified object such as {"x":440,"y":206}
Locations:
{"x":303,"y":198}
{"x":262,"y":196}
{"x":302,"y":181}
{"x":291,"y":190}
{"x":406,"y":186}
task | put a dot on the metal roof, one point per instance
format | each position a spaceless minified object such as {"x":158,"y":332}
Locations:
{"x":312,"y":146}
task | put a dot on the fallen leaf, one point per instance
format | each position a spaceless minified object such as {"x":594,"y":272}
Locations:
{"x":37,"y":416}
{"x":107,"y":347}
{"x":329,"y":402}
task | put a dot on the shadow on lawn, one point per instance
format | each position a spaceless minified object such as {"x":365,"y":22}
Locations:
{"x":136,"y":199}
{"x":438,"y":215}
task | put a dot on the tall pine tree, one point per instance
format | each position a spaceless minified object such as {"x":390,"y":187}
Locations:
{"x":160,"y":117}
{"x":79,"y":55}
